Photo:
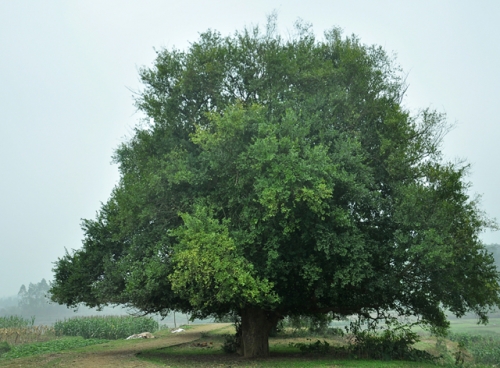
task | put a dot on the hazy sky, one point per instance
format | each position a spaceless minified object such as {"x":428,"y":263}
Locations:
{"x":67,"y":69}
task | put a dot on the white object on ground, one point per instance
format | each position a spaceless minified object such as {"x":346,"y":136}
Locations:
{"x":143,"y":335}
{"x":178,"y":330}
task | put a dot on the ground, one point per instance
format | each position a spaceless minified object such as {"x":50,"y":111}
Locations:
{"x":112,"y":354}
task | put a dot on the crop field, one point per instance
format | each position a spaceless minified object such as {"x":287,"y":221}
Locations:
{"x":16,"y":330}
{"x":107,"y":327}
{"x":20,"y":337}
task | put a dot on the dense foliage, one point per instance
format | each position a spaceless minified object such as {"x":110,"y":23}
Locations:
{"x":278,"y":177}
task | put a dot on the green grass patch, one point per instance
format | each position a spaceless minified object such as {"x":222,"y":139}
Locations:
{"x":49,"y":347}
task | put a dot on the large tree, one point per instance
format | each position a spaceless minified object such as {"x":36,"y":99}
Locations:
{"x":275,"y":177}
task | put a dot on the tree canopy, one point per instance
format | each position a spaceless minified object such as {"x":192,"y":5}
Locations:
{"x":274,"y":177}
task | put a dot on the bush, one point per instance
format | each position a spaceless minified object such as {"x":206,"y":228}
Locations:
{"x":317,"y":347}
{"x":4,"y":347}
{"x":231,"y":344}
{"x":484,"y":349}
{"x":389,"y":345}
{"x":107,"y":327}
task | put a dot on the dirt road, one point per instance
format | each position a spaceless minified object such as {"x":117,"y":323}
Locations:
{"x":110,"y":355}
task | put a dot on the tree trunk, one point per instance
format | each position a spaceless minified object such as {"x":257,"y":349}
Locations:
{"x":255,"y":327}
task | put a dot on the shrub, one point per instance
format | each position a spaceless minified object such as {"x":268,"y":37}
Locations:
{"x":317,"y":347}
{"x":4,"y":347}
{"x":484,"y":349}
{"x":231,"y":344}
{"x":390,"y":344}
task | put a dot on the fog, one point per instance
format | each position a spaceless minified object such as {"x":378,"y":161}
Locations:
{"x":68,"y":71}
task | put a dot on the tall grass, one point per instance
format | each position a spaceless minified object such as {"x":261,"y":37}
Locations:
{"x":484,"y":349}
{"x":106,"y":327}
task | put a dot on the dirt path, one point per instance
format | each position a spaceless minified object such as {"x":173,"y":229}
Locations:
{"x":109,"y":355}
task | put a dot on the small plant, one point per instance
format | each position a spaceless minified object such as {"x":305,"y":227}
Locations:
{"x":388,"y":345}
{"x":4,"y":347}
{"x":482,"y":349}
{"x":461,"y":354}
{"x":441,"y":345}
{"x":231,"y":344}
{"x":317,"y":347}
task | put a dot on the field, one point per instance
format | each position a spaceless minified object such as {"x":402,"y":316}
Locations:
{"x":200,"y":346}
{"x":470,"y":326}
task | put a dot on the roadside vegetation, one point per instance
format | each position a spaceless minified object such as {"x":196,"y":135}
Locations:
{"x":20,"y":337}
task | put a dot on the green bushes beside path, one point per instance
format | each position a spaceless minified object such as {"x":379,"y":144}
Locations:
{"x":484,"y":349}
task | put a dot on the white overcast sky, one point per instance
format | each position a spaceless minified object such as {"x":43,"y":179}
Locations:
{"x":67,"y":68}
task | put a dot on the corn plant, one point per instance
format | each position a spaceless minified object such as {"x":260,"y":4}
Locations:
{"x":27,"y":334}
{"x":484,"y":349}
{"x":16,"y":321}
{"x":106,"y":327}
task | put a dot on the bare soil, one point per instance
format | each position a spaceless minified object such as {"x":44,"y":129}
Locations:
{"x":112,"y":355}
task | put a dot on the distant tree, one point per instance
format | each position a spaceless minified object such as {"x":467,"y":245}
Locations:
{"x":282,"y":178}
{"x":22,"y":296}
{"x":35,"y":297}
{"x":494,"y":249}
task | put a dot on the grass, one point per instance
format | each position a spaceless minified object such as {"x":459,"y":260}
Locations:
{"x":48,"y":347}
{"x":207,"y":352}
{"x":481,"y":349}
